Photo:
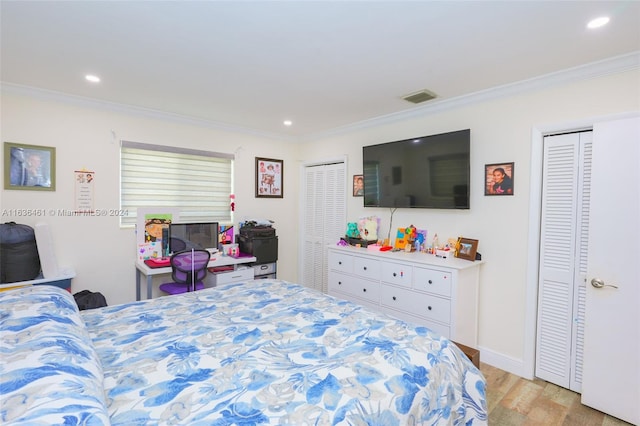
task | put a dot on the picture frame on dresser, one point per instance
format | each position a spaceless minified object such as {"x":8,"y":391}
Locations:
{"x":466,"y":248}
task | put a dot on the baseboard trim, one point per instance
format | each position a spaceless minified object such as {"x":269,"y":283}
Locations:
{"x":503,"y":362}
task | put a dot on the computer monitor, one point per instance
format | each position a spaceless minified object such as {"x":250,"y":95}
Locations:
{"x":185,"y":236}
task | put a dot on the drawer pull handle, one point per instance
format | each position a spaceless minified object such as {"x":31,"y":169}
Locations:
{"x":339,"y":263}
{"x":339,"y":282}
{"x":394,"y":298}
{"x":365,"y":268}
{"x":429,"y":307}
{"x":430,"y":282}
{"x":364,"y":289}
{"x":394,"y":274}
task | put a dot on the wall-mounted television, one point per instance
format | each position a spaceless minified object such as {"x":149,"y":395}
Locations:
{"x":428,"y":172}
{"x":185,"y":236}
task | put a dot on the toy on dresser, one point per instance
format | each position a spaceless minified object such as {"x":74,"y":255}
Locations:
{"x":363,"y":232}
{"x":368,"y":227}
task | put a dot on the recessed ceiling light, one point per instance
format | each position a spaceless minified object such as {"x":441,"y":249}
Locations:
{"x":287,"y":122}
{"x":92,"y":78}
{"x":598,"y":22}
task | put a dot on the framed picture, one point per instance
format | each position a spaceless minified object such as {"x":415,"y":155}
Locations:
{"x":29,"y":167}
{"x":269,"y":174}
{"x":498,"y":179}
{"x":358,"y":186}
{"x":466,"y":248}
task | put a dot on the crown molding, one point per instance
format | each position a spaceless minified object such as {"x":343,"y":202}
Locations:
{"x":614,"y":65}
{"x":51,"y":95}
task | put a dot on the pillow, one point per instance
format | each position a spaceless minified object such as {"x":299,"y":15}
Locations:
{"x":50,"y":372}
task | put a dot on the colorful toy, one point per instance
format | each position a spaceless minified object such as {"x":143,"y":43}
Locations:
{"x":352,"y":230}
{"x":421,"y":239}
{"x":368,"y":228}
{"x":405,"y":237}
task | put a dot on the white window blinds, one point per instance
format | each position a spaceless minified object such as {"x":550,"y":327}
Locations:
{"x":196,"y":183}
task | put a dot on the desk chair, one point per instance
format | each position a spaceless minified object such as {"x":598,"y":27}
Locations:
{"x":188,"y":269}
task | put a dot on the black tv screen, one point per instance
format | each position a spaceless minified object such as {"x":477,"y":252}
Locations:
{"x":430,"y":172}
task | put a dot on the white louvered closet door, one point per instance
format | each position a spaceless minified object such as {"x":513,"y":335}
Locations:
{"x":563,"y":258}
{"x":324,"y":220}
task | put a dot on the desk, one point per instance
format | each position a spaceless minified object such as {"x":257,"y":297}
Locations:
{"x":216,"y":260}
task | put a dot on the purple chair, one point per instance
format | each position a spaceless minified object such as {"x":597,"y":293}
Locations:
{"x":188,"y":269}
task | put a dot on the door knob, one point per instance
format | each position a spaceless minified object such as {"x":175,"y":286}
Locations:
{"x":598,"y":283}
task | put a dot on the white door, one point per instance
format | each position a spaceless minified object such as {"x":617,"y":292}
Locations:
{"x":323,"y":220}
{"x":611,"y":372}
{"x":563,"y":258}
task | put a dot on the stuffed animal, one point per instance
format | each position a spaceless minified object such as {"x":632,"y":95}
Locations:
{"x":368,"y":228}
{"x":352,"y":230}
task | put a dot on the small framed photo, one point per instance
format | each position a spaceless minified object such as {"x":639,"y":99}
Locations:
{"x":358,"y":185}
{"x":29,"y":167}
{"x":466,"y":248}
{"x":499,"y":178}
{"x":269,"y":174}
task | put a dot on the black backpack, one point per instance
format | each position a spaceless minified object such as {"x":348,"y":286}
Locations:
{"x":19,"y":259}
{"x":86,"y":299}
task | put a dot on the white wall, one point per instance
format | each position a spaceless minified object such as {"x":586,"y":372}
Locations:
{"x":101,"y":252}
{"x":501,"y":131}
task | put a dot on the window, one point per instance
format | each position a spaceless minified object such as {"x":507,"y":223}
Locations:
{"x":196,"y":183}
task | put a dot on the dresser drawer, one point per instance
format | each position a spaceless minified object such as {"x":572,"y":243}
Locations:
{"x":433,"y":281}
{"x":419,"y":304}
{"x":238,"y":275}
{"x":368,"y":268}
{"x":357,"y":287}
{"x":397,"y":273}
{"x":340,"y":262}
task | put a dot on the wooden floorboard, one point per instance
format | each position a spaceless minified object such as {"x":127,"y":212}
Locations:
{"x":514,"y":401}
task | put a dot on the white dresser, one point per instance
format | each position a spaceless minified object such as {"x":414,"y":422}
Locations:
{"x":441,"y":294}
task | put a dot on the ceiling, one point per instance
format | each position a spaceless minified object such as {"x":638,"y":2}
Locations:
{"x":324,"y":65}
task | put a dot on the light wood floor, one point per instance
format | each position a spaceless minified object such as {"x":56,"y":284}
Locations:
{"x":514,"y":401}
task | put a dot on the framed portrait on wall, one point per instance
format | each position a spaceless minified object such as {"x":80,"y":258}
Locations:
{"x":29,"y":167}
{"x":269,"y":181}
{"x":499,"y":178}
{"x":358,"y":186}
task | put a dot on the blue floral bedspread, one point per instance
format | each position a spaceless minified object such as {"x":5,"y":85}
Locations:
{"x":270,"y":352}
{"x":50,"y":373}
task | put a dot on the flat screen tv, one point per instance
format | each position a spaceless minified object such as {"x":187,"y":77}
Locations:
{"x":185,"y":236}
{"x":428,"y":172}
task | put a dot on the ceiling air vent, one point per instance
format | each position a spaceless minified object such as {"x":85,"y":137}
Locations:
{"x":419,"y":97}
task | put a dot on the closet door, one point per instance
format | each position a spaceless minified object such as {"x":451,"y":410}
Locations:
{"x":323,"y":220}
{"x":563,"y":258}
{"x":612,"y":328}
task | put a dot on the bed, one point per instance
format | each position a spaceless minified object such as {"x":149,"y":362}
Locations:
{"x":258,"y":352}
